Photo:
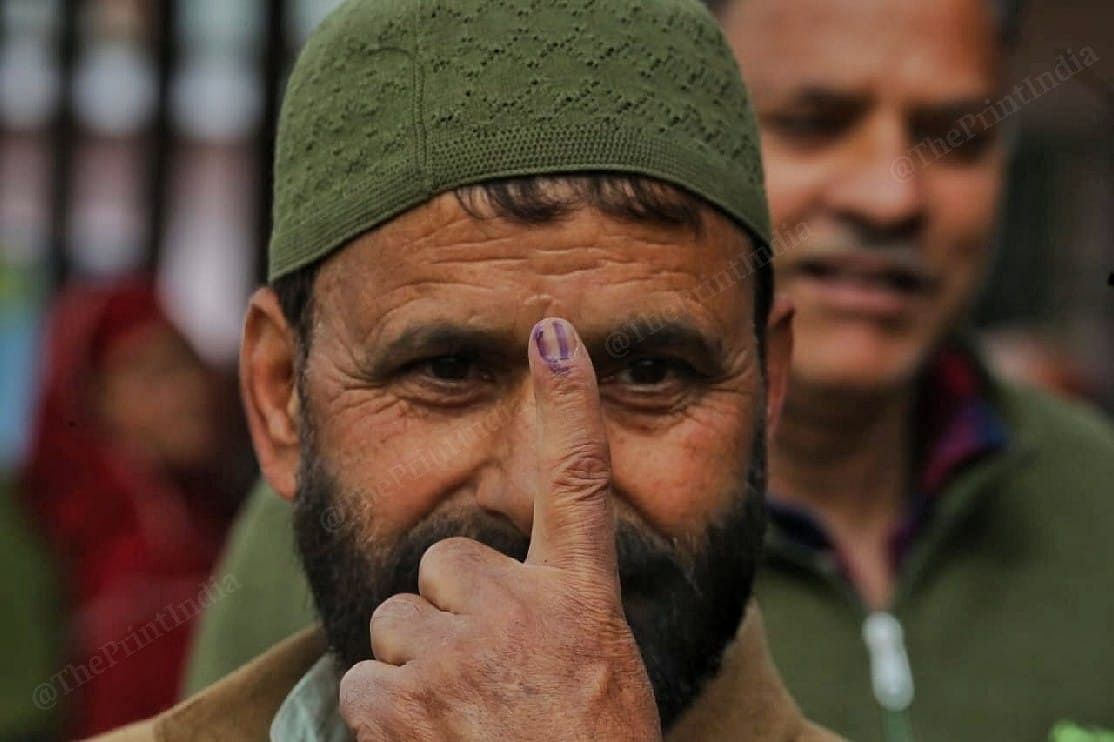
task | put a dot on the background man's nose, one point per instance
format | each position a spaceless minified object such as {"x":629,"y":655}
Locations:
{"x":879,"y":191}
{"x":508,"y":484}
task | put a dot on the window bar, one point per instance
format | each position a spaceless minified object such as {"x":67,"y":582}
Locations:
{"x":162,"y":135}
{"x":274,"y":65}
{"x":63,"y":145}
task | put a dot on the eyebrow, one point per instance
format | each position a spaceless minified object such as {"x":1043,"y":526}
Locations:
{"x":951,"y":110}
{"x":438,"y":338}
{"x":819,"y":97}
{"x":640,"y":334}
{"x":645,"y":334}
{"x":814,"y":96}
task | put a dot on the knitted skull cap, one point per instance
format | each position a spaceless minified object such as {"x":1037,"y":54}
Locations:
{"x":393,"y":102}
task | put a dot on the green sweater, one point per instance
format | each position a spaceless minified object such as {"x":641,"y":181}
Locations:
{"x":1006,"y":599}
{"x":31,"y":630}
{"x":272,"y":599}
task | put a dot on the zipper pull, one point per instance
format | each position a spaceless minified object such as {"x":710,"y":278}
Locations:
{"x":890,"y":675}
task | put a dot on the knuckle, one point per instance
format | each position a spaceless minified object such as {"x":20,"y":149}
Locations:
{"x":447,"y":553}
{"x":378,"y":707}
{"x":401,"y":607}
{"x":585,"y":467}
{"x":359,"y":688}
{"x":371,"y":722}
{"x":434,"y":562}
{"x":455,"y":555}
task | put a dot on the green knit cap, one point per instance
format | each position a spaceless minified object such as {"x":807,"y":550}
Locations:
{"x":395,"y":101}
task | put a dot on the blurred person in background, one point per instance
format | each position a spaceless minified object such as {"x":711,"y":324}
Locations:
{"x":121,"y":482}
{"x":940,"y":539}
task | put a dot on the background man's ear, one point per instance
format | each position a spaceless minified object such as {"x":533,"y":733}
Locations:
{"x":267,"y":384}
{"x":779,"y":354}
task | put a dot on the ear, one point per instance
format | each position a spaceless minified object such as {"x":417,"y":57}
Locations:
{"x":779,"y":353}
{"x":267,"y":383}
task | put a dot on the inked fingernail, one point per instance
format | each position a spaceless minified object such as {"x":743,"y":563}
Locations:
{"x":555,"y":339}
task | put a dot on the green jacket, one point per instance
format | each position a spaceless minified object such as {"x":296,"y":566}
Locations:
{"x":1007,"y":599}
{"x":271,"y":601}
{"x":31,"y":629}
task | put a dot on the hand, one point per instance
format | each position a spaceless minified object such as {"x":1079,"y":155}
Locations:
{"x":495,"y":649}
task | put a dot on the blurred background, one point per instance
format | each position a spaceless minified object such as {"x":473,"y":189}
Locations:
{"x":135,"y":138}
{"x":135,"y":146}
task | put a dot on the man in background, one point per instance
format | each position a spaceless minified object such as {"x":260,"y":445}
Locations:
{"x":939,"y":538}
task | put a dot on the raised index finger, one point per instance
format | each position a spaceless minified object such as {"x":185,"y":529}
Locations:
{"x":574,"y":522}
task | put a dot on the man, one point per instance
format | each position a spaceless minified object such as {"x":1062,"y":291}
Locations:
{"x":960,"y":523}
{"x":939,"y":563}
{"x":551,"y":537}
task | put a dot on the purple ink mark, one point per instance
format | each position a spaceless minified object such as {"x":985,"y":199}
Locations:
{"x":539,"y":340}
{"x":562,"y":341}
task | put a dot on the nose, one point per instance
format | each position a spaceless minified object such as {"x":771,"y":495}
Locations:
{"x":510,"y":479}
{"x":879,"y":190}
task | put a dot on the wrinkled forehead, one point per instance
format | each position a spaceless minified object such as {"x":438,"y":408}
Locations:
{"x":932,"y":51}
{"x":443,"y":265}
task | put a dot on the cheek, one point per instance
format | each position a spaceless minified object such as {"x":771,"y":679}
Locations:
{"x":964,"y":204}
{"x":681,"y":478}
{"x":401,"y":465}
{"x":133,"y":406}
{"x":792,"y":183}
{"x":964,"y":207}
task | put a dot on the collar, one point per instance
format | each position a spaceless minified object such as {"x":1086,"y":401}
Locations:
{"x":956,"y":425}
{"x":311,"y":713}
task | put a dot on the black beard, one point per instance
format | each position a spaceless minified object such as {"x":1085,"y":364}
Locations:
{"x":683,"y":607}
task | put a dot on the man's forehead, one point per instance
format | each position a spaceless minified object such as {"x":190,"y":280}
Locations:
{"x":938,"y":51}
{"x":443,"y":230}
{"x":439,"y":261}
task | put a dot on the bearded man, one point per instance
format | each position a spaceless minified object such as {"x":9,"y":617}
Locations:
{"x":514,"y":368}
{"x":938,"y":563}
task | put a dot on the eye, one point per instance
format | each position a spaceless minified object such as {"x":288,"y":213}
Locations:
{"x":654,"y":375}
{"x":453,"y":369}
{"x":810,"y":127}
{"x":647,"y":371}
{"x":652,"y":385}
{"x":446,"y":370}
{"x":446,"y":380}
{"x":953,"y":139}
{"x":449,"y":368}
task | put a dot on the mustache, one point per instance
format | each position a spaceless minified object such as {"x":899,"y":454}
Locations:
{"x":897,"y":261}
{"x":642,"y":553}
{"x":900,"y":253}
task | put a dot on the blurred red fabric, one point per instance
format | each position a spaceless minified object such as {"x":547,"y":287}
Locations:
{"x":132,"y":541}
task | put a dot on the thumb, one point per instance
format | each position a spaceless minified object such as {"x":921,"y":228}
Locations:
{"x":574,"y":522}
